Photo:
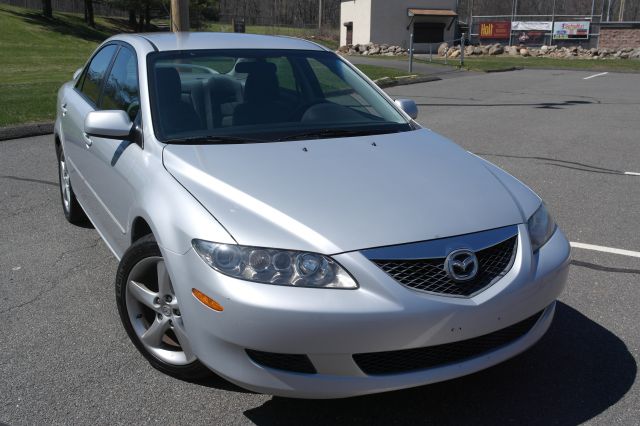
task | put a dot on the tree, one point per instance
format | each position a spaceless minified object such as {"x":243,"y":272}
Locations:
{"x":47,"y":10}
{"x":89,"y":18}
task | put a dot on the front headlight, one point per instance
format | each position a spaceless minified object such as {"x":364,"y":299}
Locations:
{"x":274,"y":266}
{"x":541,"y":227}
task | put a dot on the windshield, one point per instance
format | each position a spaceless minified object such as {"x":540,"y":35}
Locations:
{"x":230,"y":96}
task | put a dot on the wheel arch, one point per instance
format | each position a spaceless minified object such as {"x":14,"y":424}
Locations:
{"x":139,"y":228}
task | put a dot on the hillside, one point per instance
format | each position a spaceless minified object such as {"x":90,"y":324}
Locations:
{"x":38,"y":55}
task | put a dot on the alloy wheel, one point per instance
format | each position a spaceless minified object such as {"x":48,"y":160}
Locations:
{"x":154,"y":312}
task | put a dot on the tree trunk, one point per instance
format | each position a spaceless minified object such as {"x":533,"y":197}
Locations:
{"x":88,"y":13}
{"x":132,"y":18}
{"x":147,"y":15}
{"x":47,"y":10}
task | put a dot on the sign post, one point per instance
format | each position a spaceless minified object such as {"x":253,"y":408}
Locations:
{"x":411,"y":51}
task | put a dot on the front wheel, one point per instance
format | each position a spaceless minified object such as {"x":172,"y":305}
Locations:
{"x":150,"y":311}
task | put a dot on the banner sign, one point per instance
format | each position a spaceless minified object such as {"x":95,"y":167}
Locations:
{"x":571,"y":30}
{"x":533,"y":38}
{"x":495,"y":29}
{"x":531,"y":26}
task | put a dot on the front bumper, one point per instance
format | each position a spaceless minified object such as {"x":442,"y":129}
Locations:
{"x":330,"y":326}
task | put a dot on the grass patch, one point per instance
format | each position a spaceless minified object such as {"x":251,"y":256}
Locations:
{"x":493,"y":63}
{"x":39,"y":54}
{"x":375,"y":72}
{"x":489,"y":63}
{"x":486,"y":63}
{"x":325,"y":38}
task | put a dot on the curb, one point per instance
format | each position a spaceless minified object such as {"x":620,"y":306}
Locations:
{"x":26,"y":130}
{"x":403,"y":81}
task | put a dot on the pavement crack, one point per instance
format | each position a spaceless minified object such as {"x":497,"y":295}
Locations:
{"x":65,"y":274}
{"x":597,"y":267}
{"x":45,"y":182}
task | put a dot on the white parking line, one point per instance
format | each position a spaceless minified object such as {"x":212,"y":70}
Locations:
{"x":595,"y":75}
{"x":605,"y":249}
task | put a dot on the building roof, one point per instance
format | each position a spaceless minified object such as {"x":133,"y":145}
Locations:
{"x":431,"y":12}
{"x":164,"y":41}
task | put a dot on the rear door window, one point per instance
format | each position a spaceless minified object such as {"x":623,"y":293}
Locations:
{"x":92,"y":81}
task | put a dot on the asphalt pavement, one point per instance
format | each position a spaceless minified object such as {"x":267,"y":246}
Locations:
{"x":66,"y":359}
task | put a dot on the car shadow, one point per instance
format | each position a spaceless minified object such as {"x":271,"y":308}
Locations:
{"x":574,"y":373}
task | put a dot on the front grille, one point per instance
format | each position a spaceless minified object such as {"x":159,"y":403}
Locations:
{"x":402,"y":361}
{"x":296,"y":363}
{"x":429,"y":274}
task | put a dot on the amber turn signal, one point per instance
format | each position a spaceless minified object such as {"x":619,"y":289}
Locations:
{"x":206,"y":300}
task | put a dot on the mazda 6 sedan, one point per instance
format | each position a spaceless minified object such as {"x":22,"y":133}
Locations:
{"x":282,"y":222}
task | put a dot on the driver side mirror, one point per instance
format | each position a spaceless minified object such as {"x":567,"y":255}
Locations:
{"x":110,"y":124}
{"x":408,"y":106}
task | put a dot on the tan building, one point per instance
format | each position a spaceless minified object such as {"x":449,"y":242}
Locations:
{"x":390,"y":22}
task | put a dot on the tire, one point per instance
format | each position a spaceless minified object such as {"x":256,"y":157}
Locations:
{"x":146,"y":301}
{"x":70,"y":207}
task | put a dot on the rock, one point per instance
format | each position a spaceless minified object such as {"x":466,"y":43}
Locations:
{"x":356,"y":47}
{"x":513,"y":51}
{"x":485,"y":49}
{"x":365,"y":53}
{"x":525,"y":52}
{"x":496,"y":49}
{"x":442,"y":48}
{"x":389,"y":54}
{"x":374,"y":50}
{"x":469,"y":50}
{"x":454,"y":53}
{"x":478,"y":50}
{"x":624,"y":55}
{"x":635,"y":54}
{"x":352,"y":52}
{"x":343,"y":49}
{"x":544,"y":48}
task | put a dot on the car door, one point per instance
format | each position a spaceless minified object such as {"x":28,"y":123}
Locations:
{"x":110,"y":163}
{"x":77,"y":102}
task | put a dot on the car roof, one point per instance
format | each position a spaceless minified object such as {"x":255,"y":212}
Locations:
{"x":166,"y":41}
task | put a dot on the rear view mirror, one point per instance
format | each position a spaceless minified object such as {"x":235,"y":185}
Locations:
{"x":77,"y":73}
{"x":111,"y":124}
{"x":408,"y":106}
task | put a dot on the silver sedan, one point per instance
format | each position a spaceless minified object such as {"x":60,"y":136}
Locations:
{"x":281,"y":221}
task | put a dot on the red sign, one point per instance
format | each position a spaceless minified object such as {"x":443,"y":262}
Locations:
{"x":495,"y":29}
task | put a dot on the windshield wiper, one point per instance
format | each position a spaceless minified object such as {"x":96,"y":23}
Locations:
{"x":334,"y":133}
{"x":201,"y":140}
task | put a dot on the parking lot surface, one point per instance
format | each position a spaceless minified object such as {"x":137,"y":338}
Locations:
{"x":66,"y":359}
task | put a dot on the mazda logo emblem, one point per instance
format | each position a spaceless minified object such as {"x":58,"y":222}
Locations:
{"x":461,"y":265}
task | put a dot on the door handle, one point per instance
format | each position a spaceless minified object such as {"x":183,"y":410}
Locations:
{"x":87,"y":140}
{"x":63,"y":108}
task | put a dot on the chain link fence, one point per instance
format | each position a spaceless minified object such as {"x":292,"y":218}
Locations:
{"x":535,"y":38}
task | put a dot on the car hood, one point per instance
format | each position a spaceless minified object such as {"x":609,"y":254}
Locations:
{"x":337,"y":195}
